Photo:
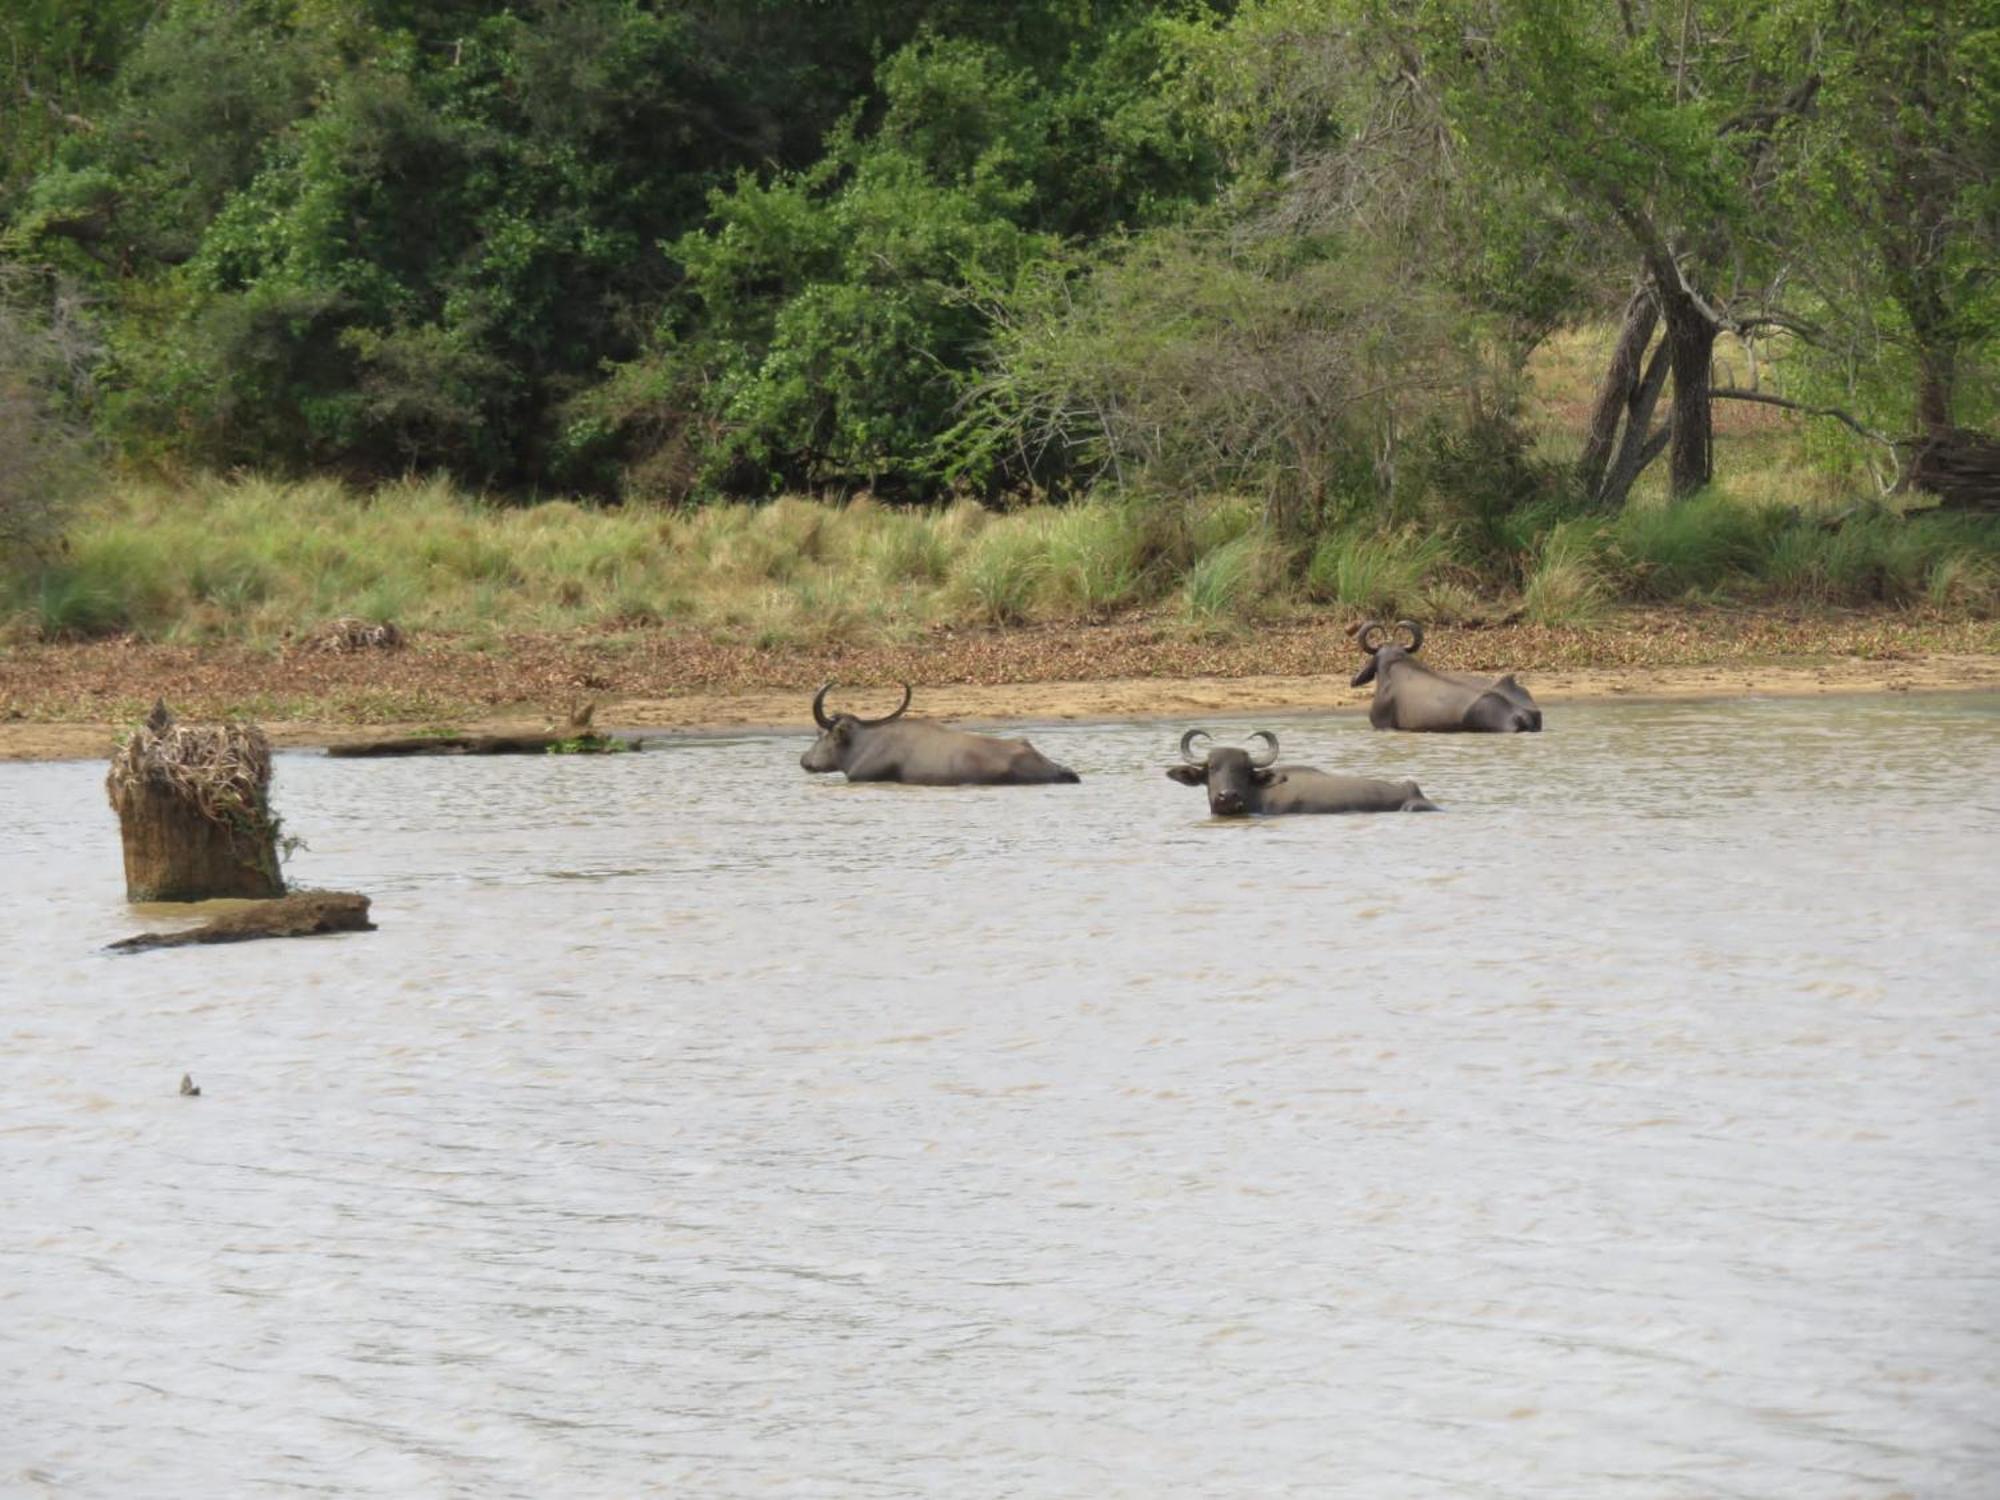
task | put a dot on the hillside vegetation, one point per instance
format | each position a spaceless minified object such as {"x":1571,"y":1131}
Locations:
{"x":868,"y":317}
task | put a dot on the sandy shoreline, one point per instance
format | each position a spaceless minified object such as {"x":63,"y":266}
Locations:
{"x":721,"y":710}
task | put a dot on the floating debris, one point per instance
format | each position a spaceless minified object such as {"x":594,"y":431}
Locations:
{"x":487,"y":744}
{"x":351,"y":633}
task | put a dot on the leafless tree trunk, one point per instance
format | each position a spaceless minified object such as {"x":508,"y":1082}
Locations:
{"x":1937,"y":376}
{"x":1616,"y":395}
{"x":1690,"y":342}
{"x":1640,"y":445}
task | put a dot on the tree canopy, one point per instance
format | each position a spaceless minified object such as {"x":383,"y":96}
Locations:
{"x":692,"y":247}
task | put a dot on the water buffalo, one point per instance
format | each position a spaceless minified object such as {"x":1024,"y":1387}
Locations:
{"x":1242,"y":782}
{"x":893,"y":748}
{"x":1409,"y":695}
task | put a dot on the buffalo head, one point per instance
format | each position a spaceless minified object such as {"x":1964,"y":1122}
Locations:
{"x":1233,"y":777}
{"x":837,"y":732}
{"x":1381,"y":653}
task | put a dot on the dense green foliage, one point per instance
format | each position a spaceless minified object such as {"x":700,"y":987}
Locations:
{"x":45,"y":357}
{"x":1295,"y":250}
{"x":526,"y":243}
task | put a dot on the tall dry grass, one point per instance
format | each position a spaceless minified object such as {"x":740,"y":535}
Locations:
{"x":263,"y":561}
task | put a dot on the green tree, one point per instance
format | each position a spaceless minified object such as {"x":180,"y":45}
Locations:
{"x":1183,"y":363}
{"x":1902,"y":202}
{"x":57,"y":60}
{"x":1668,"y":126}
{"x":831,"y":318}
{"x":46,"y":348}
{"x":202,"y":91}
{"x":466,"y":222}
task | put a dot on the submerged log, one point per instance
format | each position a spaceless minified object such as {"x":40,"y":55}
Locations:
{"x":301,"y":914}
{"x":194,"y":812}
{"x":488,"y":744}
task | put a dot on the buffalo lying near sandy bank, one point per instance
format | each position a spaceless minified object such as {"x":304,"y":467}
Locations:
{"x":1243,"y":782}
{"x":1410,"y":696}
{"x":921,"y":753}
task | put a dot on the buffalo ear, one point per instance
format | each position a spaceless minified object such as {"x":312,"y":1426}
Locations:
{"x":1188,"y":775}
{"x":1265,"y":776}
{"x":1365,"y":676}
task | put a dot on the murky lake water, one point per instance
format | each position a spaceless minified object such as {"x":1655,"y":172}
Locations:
{"x":693,"y":1127}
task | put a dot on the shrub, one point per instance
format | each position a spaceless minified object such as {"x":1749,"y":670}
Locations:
{"x":1475,"y":476}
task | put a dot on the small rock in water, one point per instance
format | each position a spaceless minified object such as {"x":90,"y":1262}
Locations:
{"x":189,"y":1088}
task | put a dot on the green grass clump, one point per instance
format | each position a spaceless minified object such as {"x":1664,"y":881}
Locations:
{"x":115,"y":580}
{"x":1380,"y":572}
{"x":1231,"y":583}
{"x":1962,"y":580}
{"x":1565,"y":586}
{"x":906,"y":549}
{"x":1097,"y":558}
{"x":1695,"y":547}
{"x":1212,"y":522}
{"x":1947,"y":562}
{"x":72,"y":604}
{"x":999,"y":573}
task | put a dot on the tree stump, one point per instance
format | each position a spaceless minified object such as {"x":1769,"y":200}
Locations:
{"x":193,"y":805}
{"x":1961,"y":467}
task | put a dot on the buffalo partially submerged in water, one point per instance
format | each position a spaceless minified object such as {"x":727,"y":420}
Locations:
{"x":893,"y":748}
{"x":1409,"y":695}
{"x":1242,"y":782}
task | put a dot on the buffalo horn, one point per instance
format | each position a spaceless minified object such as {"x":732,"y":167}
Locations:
{"x":1369,"y":638}
{"x":1416,"y":635}
{"x":1187,"y":747}
{"x":871,"y":723}
{"x":819,"y":706}
{"x":1270,"y":749}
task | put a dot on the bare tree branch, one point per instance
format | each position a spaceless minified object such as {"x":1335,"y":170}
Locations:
{"x":1735,"y":393}
{"x":1812,"y":333}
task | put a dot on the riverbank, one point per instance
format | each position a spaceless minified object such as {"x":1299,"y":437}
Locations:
{"x":73,"y":700}
{"x":264,"y":565}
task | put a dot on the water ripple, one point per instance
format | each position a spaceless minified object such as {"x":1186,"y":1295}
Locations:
{"x":695,"y":1127}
